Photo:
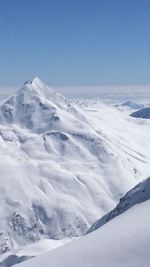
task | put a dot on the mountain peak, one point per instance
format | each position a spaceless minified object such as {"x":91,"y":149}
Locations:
{"x":35,"y":81}
{"x":34,"y":106}
{"x":37,"y":86}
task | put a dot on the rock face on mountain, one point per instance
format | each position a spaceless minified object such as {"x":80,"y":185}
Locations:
{"x":143,"y":113}
{"x":62,"y":164}
{"x":138,"y":194}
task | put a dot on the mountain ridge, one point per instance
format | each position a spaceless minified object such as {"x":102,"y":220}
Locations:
{"x":138,"y":194}
{"x":63,"y":164}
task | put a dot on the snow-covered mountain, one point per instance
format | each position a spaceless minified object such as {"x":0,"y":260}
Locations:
{"x":129,"y":105}
{"x":63,"y":164}
{"x":35,"y":107}
{"x":143,"y":113}
{"x":121,"y":242}
{"x":138,"y":194}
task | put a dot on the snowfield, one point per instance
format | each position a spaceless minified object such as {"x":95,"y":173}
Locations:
{"x":26,"y":252}
{"x":64,"y":164}
{"x":122,"y":242}
{"x":136,"y":195}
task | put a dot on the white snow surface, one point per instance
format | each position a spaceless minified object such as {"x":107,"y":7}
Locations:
{"x":26,"y":252}
{"x":122,"y":242}
{"x":63,"y":164}
{"x":138,"y":194}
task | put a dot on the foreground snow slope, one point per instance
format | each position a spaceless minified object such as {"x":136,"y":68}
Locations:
{"x":63,"y":164}
{"x":122,"y":242}
{"x":138,"y":194}
{"x":26,"y":252}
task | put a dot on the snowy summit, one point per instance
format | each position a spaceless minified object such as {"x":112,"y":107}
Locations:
{"x":64,"y":164}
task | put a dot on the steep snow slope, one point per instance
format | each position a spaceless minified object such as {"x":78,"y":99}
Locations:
{"x":122,"y":242}
{"x":143,"y":113}
{"x":35,"y":107}
{"x":63,"y":164}
{"x":138,"y":194}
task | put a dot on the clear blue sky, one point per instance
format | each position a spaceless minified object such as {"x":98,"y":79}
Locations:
{"x":75,"y":42}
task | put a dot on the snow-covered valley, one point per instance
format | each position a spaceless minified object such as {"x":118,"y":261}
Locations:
{"x":64,"y":164}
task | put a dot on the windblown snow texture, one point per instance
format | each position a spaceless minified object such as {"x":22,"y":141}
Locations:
{"x":138,"y":194}
{"x":63,"y":164}
{"x":121,"y":242}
